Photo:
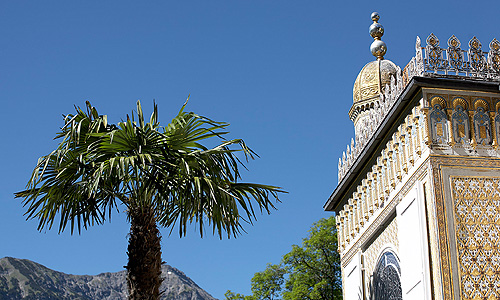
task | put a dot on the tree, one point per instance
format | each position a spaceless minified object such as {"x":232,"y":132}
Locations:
{"x":308,"y":272}
{"x":164,"y":176}
{"x":232,"y":296}
{"x":314,"y":268}
{"x":266,"y":285}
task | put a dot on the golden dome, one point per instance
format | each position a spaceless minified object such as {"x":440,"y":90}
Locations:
{"x":371,"y":80}
{"x":374,"y":76}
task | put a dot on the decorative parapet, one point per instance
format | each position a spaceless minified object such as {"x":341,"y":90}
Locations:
{"x":429,"y":61}
{"x":456,"y":61}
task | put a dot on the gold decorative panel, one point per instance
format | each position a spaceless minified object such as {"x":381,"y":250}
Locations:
{"x":482,"y":132}
{"x":477,"y":222}
{"x":439,"y":129}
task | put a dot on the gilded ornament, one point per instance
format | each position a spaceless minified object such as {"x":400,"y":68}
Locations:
{"x":432,"y":40}
{"x":495,"y":45}
{"x":438,"y":100}
{"x":480,"y":103}
{"x":474,"y":43}
{"x":376,"y":30}
{"x":460,"y":101}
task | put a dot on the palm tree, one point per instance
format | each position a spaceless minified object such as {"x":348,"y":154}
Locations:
{"x":163,"y":176}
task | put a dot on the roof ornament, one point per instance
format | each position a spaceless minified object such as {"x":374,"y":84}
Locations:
{"x":378,"y":47}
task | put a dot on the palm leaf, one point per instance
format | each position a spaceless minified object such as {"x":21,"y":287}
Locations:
{"x":142,"y":164}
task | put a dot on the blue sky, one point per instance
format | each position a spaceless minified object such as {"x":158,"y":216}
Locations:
{"x":281,"y":72}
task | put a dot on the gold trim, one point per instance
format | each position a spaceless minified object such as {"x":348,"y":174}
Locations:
{"x":442,"y":230}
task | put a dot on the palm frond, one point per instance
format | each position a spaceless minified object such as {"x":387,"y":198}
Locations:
{"x":141,"y":164}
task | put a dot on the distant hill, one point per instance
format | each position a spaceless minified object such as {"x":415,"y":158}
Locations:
{"x":24,"y":279}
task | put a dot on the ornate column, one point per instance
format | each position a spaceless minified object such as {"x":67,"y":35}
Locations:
{"x":409,"y":139}
{"x":427,"y":133}
{"x":359,"y":208}
{"x":354,"y":217}
{"x":418,"y":132}
{"x":402,"y":138}
{"x":376,"y":186}
{"x":345,"y":213}
{"x":366,"y":199}
{"x":397,"y":153}
{"x":340,"y":243}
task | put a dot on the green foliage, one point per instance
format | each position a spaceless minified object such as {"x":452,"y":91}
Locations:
{"x":142,"y":164}
{"x":266,"y":285}
{"x":308,"y":272}
{"x":232,"y":296}
{"x":314,"y":268}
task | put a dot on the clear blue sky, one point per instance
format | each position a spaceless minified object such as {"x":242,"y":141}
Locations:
{"x":281,"y":72}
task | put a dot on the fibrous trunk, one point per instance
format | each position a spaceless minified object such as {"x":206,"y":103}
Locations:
{"x":144,"y":255}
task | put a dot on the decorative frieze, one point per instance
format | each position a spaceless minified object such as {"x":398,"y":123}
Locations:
{"x":456,"y":121}
{"x":389,"y":169}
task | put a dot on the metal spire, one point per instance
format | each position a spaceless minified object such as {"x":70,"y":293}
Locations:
{"x":378,"y":47}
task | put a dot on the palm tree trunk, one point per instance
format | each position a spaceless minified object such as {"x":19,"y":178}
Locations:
{"x":144,"y":255}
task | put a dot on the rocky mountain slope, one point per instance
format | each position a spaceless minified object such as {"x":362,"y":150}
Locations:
{"x":24,"y":279}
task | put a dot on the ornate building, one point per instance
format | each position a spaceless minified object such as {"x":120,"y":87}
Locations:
{"x":418,"y":198}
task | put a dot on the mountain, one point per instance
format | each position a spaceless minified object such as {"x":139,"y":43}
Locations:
{"x":24,"y":279}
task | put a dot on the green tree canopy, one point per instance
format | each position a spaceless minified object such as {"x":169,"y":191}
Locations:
{"x":266,"y":285}
{"x":235,"y":296}
{"x":161,"y":175}
{"x":314,"y":268}
{"x":308,"y":272}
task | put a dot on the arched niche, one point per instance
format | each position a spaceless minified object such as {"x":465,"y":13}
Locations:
{"x":386,"y":279}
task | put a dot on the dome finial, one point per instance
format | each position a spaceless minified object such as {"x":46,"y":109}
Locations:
{"x":378,"y":47}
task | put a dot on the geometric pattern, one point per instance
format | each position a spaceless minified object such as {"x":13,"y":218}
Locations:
{"x":389,"y":236}
{"x":477,"y":216}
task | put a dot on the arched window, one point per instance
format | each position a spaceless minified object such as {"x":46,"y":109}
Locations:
{"x":386,"y":282}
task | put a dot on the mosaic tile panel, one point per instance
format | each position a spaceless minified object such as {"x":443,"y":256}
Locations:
{"x":477,"y":221}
